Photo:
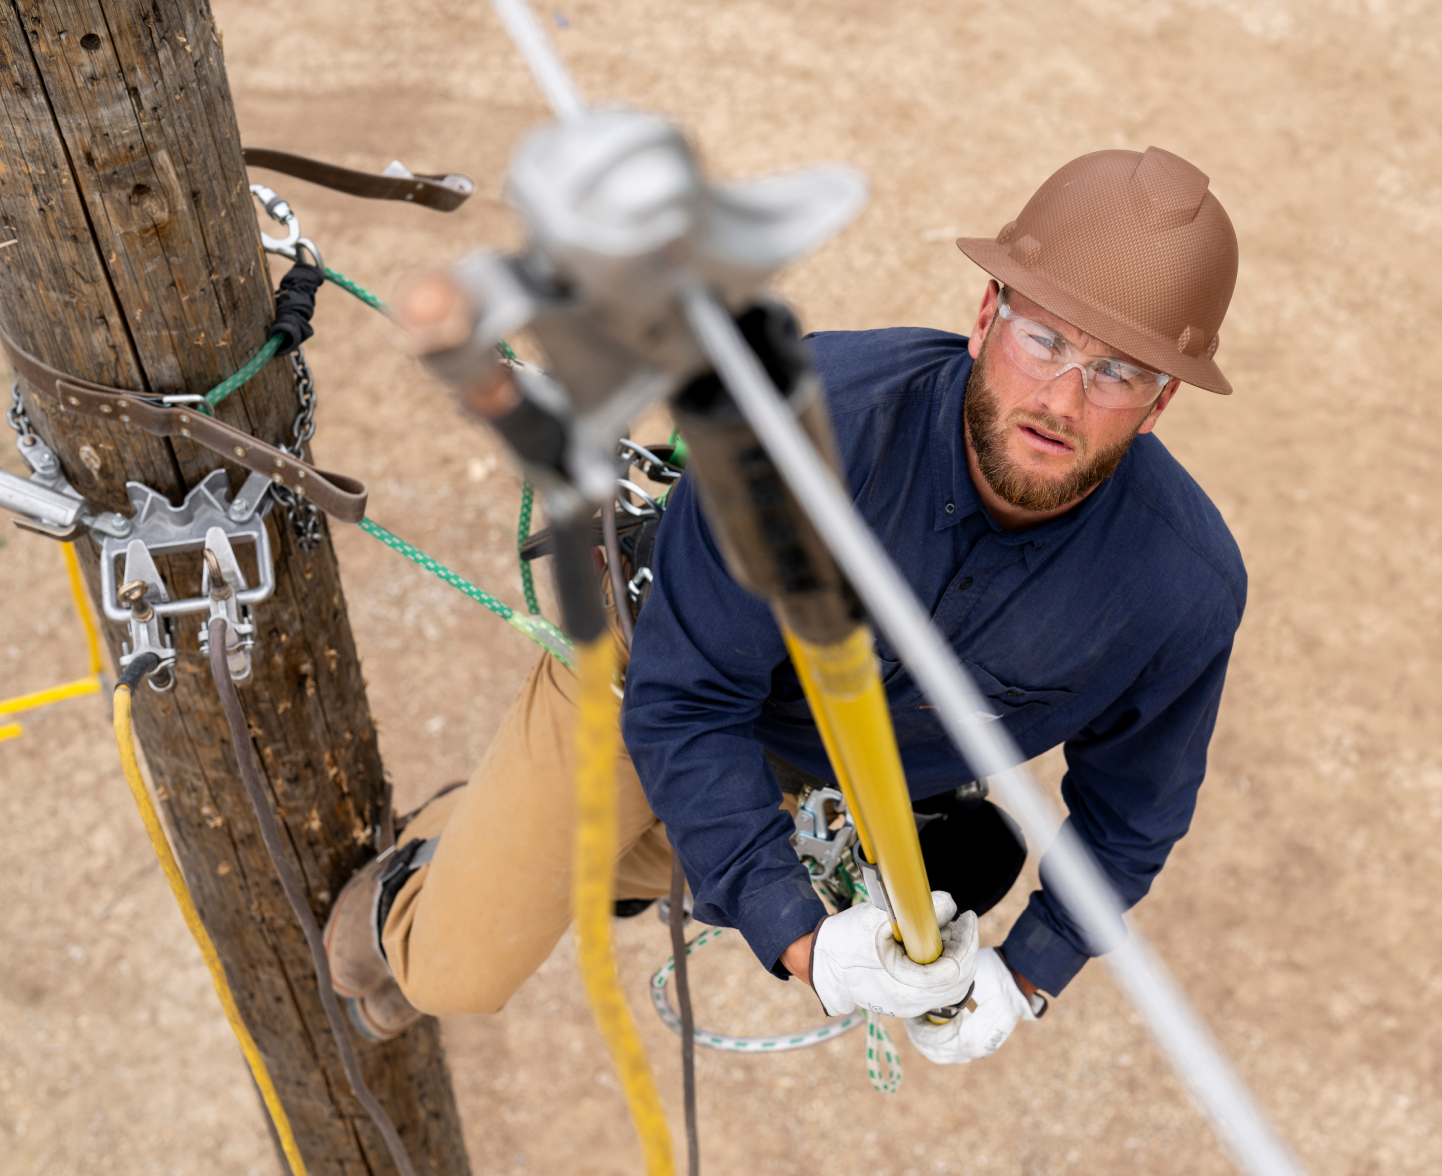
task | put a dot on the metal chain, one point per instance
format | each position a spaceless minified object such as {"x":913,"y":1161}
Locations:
{"x":303,"y":514}
{"x":15,"y":415}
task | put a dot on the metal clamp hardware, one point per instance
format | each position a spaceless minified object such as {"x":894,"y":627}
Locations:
{"x":655,"y":468}
{"x":649,"y":508}
{"x":820,"y":846}
{"x":46,"y":503}
{"x":222,"y":582}
{"x":634,"y":589}
{"x":871,"y":879}
{"x":281,"y":211}
{"x":204,"y":522}
{"x":149,"y":633}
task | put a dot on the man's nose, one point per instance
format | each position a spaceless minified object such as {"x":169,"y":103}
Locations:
{"x":1065,"y":395}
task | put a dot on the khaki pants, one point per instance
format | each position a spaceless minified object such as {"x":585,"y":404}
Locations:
{"x":469,"y":928}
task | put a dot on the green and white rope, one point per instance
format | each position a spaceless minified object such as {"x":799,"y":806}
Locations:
{"x":243,"y":374}
{"x":537,"y":628}
{"x":534,"y":626}
{"x":672,"y":1020}
{"x":523,"y":532}
{"x":523,"y":529}
{"x":877,"y":1038}
{"x":355,"y":288}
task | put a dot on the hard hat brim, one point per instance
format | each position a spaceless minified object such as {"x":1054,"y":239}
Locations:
{"x":1160,"y":354}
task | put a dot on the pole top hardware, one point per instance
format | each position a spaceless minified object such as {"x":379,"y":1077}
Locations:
{"x":45,"y":502}
{"x":207,"y":521}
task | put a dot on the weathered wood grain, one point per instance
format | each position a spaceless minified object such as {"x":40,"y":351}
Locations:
{"x":138,"y":264}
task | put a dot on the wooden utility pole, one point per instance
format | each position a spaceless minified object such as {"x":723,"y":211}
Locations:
{"x":137,"y":264}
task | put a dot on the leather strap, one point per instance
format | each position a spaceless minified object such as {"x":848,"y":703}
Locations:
{"x":443,"y":193}
{"x":341,"y":497}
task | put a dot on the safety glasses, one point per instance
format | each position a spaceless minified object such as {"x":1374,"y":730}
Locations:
{"x":1045,"y":355}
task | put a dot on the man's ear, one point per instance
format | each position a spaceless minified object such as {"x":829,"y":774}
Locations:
{"x":1149,"y":422}
{"x":983,"y":318}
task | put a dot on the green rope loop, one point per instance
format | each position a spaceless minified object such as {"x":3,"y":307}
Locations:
{"x":534,"y":626}
{"x":355,"y":288}
{"x":243,"y":374}
{"x":523,"y":532}
{"x":538,"y":629}
{"x":878,"y":1038}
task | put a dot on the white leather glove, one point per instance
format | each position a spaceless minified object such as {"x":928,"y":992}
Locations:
{"x":1000,"y":1004}
{"x":855,"y":960}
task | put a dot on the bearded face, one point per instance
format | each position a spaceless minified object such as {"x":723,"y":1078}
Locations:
{"x":1003,"y":460}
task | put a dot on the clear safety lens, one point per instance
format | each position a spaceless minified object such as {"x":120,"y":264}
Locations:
{"x":1109,"y":382}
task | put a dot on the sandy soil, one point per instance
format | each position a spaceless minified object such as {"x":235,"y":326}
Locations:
{"x":1297,"y":914}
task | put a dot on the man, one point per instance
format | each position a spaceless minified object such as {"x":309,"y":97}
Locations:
{"x":1089,"y":585}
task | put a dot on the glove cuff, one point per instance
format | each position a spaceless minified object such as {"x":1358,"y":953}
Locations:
{"x":830,"y":989}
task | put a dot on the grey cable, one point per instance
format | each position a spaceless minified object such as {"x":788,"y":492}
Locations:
{"x":1240,"y":1124}
{"x":619,"y":596}
{"x":688,"y":1020}
{"x":546,"y":67}
{"x":295,"y":893}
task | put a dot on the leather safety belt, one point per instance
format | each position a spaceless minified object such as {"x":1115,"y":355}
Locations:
{"x":341,"y":497}
{"x":443,"y":193}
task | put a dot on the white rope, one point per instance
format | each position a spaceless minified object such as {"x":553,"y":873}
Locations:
{"x":722,"y":1041}
{"x":989,"y":751}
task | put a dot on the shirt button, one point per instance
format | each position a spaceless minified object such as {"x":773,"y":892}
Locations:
{"x":951,"y":508}
{"x":964,"y":584}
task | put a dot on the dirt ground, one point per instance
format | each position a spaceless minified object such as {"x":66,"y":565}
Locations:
{"x":1298,"y":914}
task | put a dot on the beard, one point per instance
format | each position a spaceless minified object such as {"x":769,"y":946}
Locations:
{"x":1013,"y":484}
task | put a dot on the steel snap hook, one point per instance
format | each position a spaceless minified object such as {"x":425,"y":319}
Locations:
{"x":279,"y":211}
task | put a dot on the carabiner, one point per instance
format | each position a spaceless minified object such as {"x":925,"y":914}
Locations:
{"x":280,"y":212}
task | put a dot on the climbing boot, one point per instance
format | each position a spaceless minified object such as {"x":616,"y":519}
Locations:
{"x":352,"y":937}
{"x":353,"y":931}
{"x":382,"y":1014}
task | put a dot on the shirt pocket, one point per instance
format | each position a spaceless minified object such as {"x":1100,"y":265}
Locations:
{"x":1019,"y":707}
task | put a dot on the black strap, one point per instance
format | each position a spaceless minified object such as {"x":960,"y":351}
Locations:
{"x":294,"y":304}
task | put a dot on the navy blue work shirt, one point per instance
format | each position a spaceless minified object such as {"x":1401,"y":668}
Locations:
{"x":1106,"y":630}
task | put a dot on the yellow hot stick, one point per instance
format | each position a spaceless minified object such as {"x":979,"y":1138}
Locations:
{"x":125,"y":742}
{"x":50,"y":694}
{"x":597,"y":737}
{"x":801,"y":661}
{"x":11,"y":731}
{"x":89,"y":685}
{"x":82,"y":606}
{"x":843,"y":686}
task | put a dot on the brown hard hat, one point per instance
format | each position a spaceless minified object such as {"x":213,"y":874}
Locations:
{"x":1132,"y":249}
